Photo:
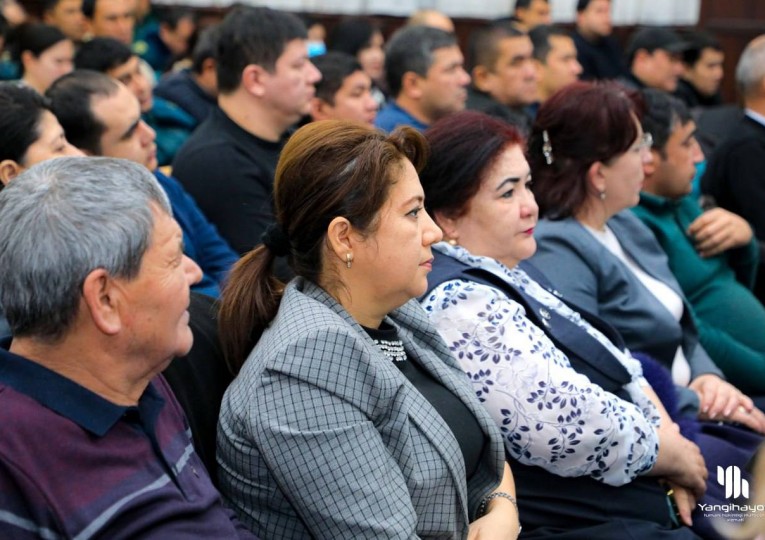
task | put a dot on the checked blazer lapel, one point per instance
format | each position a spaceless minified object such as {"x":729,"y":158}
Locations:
{"x":423,"y":342}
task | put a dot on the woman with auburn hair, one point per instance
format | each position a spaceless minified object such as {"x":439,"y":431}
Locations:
{"x":589,"y":441}
{"x":348,"y":418}
{"x":587,"y":151}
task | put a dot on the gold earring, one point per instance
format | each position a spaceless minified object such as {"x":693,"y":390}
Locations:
{"x":348,"y":260}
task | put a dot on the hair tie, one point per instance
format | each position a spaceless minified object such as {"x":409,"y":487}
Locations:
{"x":547,"y":147}
{"x":276,"y":240}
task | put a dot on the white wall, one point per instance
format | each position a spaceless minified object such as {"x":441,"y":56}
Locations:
{"x":625,"y":12}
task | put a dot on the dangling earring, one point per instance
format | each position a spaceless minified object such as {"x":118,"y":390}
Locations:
{"x":348,"y":260}
{"x":603,"y":195}
{"x":452,"y":241}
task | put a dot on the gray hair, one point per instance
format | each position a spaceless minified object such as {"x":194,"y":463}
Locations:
{"x":60,"y":220}
{"x":751,"y":67}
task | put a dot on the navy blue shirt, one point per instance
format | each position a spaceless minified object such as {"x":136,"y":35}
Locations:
{"x":73,"y":464}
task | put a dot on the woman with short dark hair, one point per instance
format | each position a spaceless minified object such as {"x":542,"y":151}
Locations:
{"x":43,"y":52}
{"x":29,"y":132}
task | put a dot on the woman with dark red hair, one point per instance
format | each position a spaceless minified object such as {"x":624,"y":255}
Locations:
{"x":589,"y":442}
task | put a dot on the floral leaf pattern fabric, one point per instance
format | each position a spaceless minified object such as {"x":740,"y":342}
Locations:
{"x":550,"y":415}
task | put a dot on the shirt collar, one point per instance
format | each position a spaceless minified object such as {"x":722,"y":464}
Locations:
{"x":64,"y":396}
{"x":655,"y":201}
{"x":757,"y":117}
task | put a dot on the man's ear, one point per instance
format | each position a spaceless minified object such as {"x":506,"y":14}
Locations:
{"x":100,"y":295}
{"x":9,"y":170}
{"x":253,"y":78}
{"x":410,"y":85}
{"x":649,"y":171}
{"x":449,"y":225}
{"x":320,"y":109}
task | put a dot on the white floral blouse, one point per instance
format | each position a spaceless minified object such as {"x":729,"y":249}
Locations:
{"x":550,"y":415}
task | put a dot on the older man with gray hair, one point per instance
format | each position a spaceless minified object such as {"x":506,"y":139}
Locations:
{"x":735,"y":175}
{"x":95,"y":287}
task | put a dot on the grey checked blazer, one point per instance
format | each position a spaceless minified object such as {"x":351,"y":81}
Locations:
{"x":321,"y":436}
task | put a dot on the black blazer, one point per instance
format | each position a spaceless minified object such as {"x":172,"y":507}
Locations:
{"x":735,"y":177}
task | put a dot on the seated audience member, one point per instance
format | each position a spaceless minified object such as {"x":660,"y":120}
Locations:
{"x":555,"y":55}
{"x":44,"y":54}
{"x":344,"y":91}
{"x":97,"y":311}
{"x":29,"y":134}
{"x":316,"y":35}
{"x":431,"y":17}
{"x":504,"y":77}
{"x":713,"y":255}
{"x":425,"y":74}
{"x":195,"y":89}
{"x":13,"y":12}
{"x":597,"y":49}
{"x":110,"y":18}
{"x":587,"y":153}
{"x":528,"y":14}
{"x":145,"y":19}
{"x":103,"y":118}
{"x":361,"y":38}
{"x":29,"y":131}
{"x":265,"y":84}
{"x":654,"y":58}
{"x":543,"y":371}
{"x":66,"y":15}
{"x":349,"y":418}
{"x":170,"y":41}
{"x":171,"y":123}
{"x":699,"y":84}
{"x":735,"y":171}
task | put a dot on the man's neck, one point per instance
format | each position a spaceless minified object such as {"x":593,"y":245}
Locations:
{"x":252,"y":116}
{"x":413,"y":108}
{"x":755,"y":105}
{"x":588,"y":36}
{"x":105,"y":375}
{"x":202,"y":83}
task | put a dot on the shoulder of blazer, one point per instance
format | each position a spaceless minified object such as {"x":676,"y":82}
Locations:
{"x":312,"y":329}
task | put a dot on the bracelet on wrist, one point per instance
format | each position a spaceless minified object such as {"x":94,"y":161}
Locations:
{"x":497,"y":494}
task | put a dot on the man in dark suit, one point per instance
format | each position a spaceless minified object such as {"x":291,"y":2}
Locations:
{"x":735,"y":174}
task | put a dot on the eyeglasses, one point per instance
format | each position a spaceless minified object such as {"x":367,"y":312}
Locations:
{"x":646,"y":142}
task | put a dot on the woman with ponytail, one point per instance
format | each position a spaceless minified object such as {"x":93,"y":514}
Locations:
{"x":349,"y":418}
